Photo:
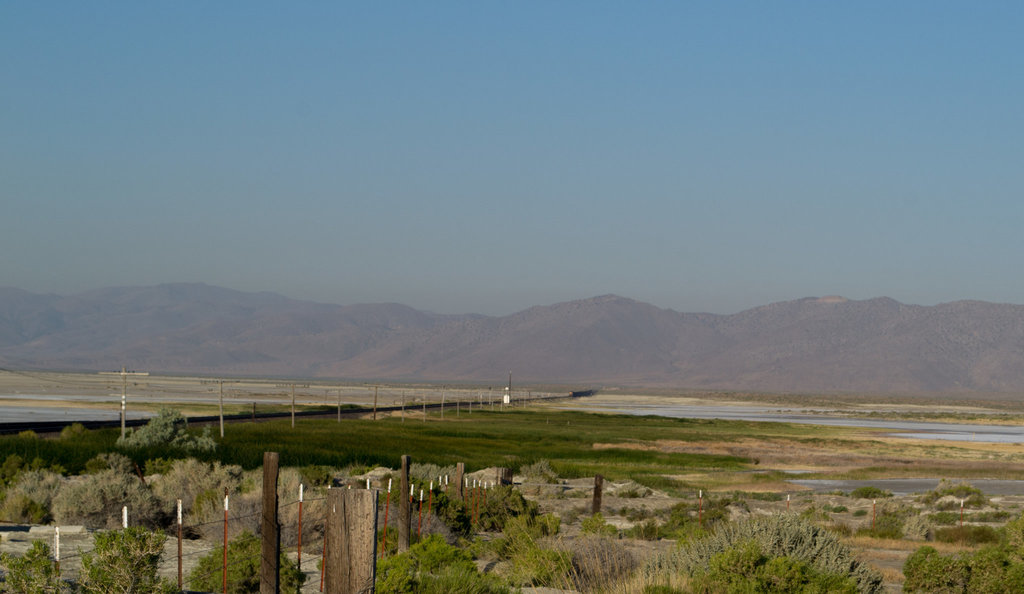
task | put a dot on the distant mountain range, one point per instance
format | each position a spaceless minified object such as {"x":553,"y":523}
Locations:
{"x":827,"y":344}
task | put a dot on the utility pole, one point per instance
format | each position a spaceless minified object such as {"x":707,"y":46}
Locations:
{"x":124,"y":373}
{"x":221,"y":402}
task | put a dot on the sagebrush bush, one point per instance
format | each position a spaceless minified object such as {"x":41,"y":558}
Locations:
{"x":776,"y":536}
{"x":424,"y":473}
{"x":540,"y":472}
{"x":95,"y":501}
{"x":745,"y":568}
{"x":954,"y":493}
{"x":110,"y":461}
{"x":168,"y":428}
{"x":30,"y":498}
{"x":917,"y":527}
{"x":189,"y":479}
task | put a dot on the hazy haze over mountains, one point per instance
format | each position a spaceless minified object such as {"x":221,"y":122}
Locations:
{"x":813,"y":344}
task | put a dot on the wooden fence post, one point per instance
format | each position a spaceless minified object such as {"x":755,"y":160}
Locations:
{"x":598,"y":484}
{"x":270,"y":549}
{"x":350,"y":563}
{"x":404,"y":514}
{"x":460,"y":482}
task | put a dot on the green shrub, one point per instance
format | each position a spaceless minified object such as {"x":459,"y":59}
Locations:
{"x":72,"y":431}
{"x":944,"y":518}
{"x":991,"y":570}
{"x":124,"y":561}
{"x":870,"y":492}
{"x":158,"y":466}
{"x":745,"y":568}
{"x":967,"y":534}
{"x":168,"y":428}
{"x":433,"y":566}
{"x":314,"y":475}
{"x":595,"y":524}
{"x":775,"y":536}
{"x":961,"y":491}
{"x":646,"y":530}
{"x":927,"y":571}
{"x":502,"y":504}
{"x":243,"y":568}
{"x":110,"y":461}
{"x":686,"y":519}
{"x":32,"y":572}
{"x":994,"y":572}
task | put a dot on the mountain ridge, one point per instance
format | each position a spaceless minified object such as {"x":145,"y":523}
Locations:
{"x":812,"y":344}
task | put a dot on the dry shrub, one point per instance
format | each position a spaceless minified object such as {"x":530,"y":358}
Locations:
{"x":598,"y":563}
{"x":246,"y":504}
{"x":95,"y":501}
{"x":424,"y":473}
{"x":191,"y":480}
{"x":29,"y":499}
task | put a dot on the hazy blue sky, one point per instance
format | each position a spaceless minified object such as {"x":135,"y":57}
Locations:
{"x":486,"y":157}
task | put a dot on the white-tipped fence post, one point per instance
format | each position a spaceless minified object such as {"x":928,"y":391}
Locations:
{"x":179,"y":544}
{"x":301,"y":488}
{"x":124,"y":517}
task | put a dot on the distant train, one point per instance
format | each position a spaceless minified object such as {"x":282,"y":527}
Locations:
{"x":582,"y":393}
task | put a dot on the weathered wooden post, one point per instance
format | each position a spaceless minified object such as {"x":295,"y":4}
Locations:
{"x":270,"y":550}
{"x":404,"y":513}
{"x":504,"y":476}
{"x":460,"y":482}
{"x":350,"y":563}
{"x":598,"y":484}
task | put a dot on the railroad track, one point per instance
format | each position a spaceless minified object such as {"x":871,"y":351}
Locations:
{"x":53,"y":427}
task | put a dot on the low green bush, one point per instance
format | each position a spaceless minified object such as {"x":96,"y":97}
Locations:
{"x":775,"y":536}
{"x":745,"y":568}
{"x":432,"y":566}
{"x":124,"y":561}
{"x":960,"y":491}
{"x":32,"y":572}
{"x":925,"y":570}
{"x":967,"y":534}
{"x":870,"y":492}
{"x":243,"y":569}
{"x":595,"y":524}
